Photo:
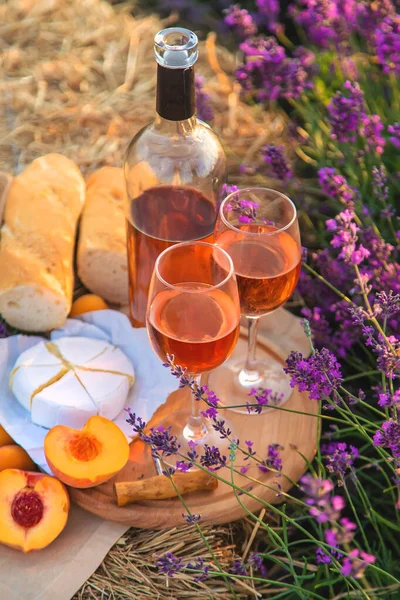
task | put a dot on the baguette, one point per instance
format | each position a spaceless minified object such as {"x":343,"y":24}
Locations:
{"x":37,"y":243}
{"x":102,"y":257}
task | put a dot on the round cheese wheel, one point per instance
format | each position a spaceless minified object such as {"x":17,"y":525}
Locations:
{"x":66,"y":381}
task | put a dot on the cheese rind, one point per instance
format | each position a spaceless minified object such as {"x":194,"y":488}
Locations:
{"x":69,"y":380}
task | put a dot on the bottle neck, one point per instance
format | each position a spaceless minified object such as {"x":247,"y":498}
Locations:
{"x":176,"y":96}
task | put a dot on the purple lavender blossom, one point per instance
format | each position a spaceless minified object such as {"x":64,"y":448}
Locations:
{"x":326,"y":22}
{"x":345,"y":238}
{"x":339,"y":458}
{"x":160,"y":439}
{"x":387,"y":304}
{"x":246,"y":209}
{"x":203,"y":101}
{"x":333,"y":184}
{"x":240,"y":21}
{"x":395,"y":137}
{"x":321,"y":557}
{"x":371,"y":129}
{"x":212,"y":458}
{"x":273,"y":460}
{"x":320,"y":374}
{"x":346,"y":113}
{"x":268,"y":72}
{"x":379,"y":183}
{"x":323,"y":506}
{"x":387,"y":350}
{"x":273,"y":155}
{"x":201,"y":568}
{"x":256,"y":561}
{"x":238,"y":568}
{"x":389,"y":437}
{"x":191,"y":519}
{"x":4,"y":330}
{"x":387,"y":40}
{"x":268,"y":13}
{"x":356,"y":562}
{"x":169,"y":564}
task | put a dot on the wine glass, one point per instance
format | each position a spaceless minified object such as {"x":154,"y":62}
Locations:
{"x":193,"y":313}
{"x":258,"y":228}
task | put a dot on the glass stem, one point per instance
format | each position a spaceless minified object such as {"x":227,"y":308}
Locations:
{"x":195,"y":430}
{"x":252,"y":324}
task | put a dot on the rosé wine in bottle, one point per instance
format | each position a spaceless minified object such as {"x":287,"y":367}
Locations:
{"x":174,"y":169}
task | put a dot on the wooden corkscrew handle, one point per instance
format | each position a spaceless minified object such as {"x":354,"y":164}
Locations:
{"x":161,"y":488}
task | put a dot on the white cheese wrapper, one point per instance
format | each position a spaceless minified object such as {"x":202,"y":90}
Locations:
{"x":153,"y":383}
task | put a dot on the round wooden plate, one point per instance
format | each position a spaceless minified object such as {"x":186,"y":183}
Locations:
{"x":295,"y":432}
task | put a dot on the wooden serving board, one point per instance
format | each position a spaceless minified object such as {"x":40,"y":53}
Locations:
{"x":295,"y":432}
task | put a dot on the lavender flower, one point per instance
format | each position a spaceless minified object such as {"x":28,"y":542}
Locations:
{"x":345,"y":238}
{"x":346,"y":113}
{"x":191,"y":519}
{"x":323,"y":506}
{"x":395,"y":137}
{"x":169,"y":564}
{"x":333,"y":184}
{"x":389,"y":437}
{"x":203,"y":101}
{"x":387,"y":40}
{"x":256,"y":561}
{"x":201,"y":568}
{"x":246,"y":209}
{"x":356,"y":562}
{"x":339,"y":458}
{"x":5,"y":331}
{"x":273,"y":155}
{"x":322,"y":557}
{"x":268,"y":72}
{"x":268,"y":11}
{"x":326,"y":21}
{"x":320,"y":374}
{"x":212,"y":458}
{"x":387,"y":304}
{"x":273,"y":460}
{"x":379,"y":183}
{"x":238,"y":568}
{"x":240,"y":21}
{"x":371,"y":129}
{"x":160,"y":439}
{"x":264,"y":397}
{"x":228,"y":189}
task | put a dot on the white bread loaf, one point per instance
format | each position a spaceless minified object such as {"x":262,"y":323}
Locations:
{"x":37,"y":243}
{"x":102,"y":257}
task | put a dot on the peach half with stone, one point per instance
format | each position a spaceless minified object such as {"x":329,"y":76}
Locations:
{"x":33,"y":509}
{"x":86,"y":457}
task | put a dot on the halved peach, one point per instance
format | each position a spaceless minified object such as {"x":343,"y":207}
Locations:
{"x":5,"y":439}
{"x":86,"y":457}
{"x":33,"y":509}
{"x":15,"y":457}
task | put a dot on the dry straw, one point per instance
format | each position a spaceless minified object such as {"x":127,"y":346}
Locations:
{"x":78,"y":77}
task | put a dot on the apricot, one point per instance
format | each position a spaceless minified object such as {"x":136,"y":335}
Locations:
{"x":89,"y":456}
{"x":15,"y":457}
{"x":33,"y":509}
{"x":5,"y":439}
{"x":87,"y":303}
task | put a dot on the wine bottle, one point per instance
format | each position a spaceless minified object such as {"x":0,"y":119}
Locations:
{"x":175,"y":168}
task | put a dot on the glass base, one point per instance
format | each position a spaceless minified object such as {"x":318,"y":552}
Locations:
{"x":232,"y":383}
{"x":207,"y":435}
